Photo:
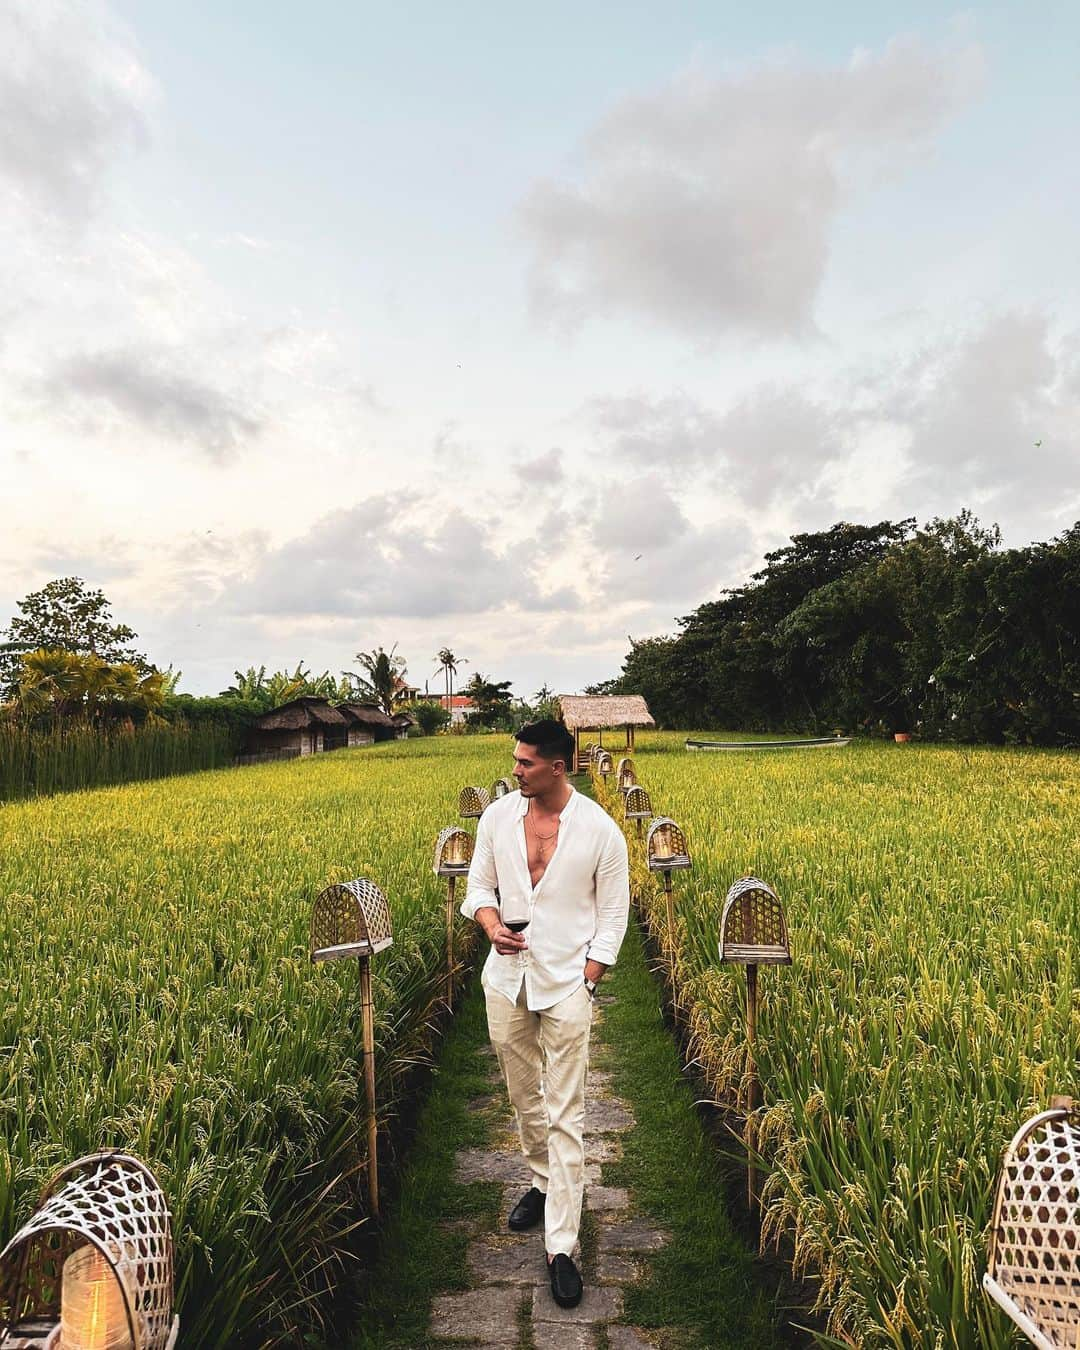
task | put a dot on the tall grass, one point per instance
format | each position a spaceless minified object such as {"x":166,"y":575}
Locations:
{"x":35,"y":763}
{"x":156,"y":994}
{"x":934,"y":1000}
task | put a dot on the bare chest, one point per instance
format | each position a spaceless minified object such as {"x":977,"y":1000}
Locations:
{"x":541,"y":840}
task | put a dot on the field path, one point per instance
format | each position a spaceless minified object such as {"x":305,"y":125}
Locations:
{"x":512,"y":1305}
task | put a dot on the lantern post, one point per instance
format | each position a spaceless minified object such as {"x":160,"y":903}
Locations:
{"x":605,"y":765}
{"x":94,"y":1265}
{"x":352,"y":919}
{"x":666,"y":852}
{"x":453,"y":854}
{"x":753,"y":932}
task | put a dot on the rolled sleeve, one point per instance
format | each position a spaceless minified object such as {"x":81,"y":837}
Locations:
{"x":612,"y":900}
{"x":482,"y":878}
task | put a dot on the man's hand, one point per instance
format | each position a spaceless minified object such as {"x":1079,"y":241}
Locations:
{"x":594,"y":970}
{"x":504,"y":940}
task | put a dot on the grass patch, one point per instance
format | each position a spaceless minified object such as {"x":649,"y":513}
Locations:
{"x":418,"y":1259}
{"x":705,"y":1281}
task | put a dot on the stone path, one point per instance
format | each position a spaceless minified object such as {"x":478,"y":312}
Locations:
{"x":511,"y":1305}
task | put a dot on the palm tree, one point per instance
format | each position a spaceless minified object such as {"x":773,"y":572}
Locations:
{"x":379,"y":680}
{"x":449,"y":663}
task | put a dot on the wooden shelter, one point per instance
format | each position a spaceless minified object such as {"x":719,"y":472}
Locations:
{"x":600,"y":713}
{"x":299,"y":727}
{"x":367,"y":723}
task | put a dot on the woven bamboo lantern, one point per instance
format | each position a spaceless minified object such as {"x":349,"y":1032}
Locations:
{"x":1033,"y":1268}
{"x":753,"y":932}
{"x":604,"y":763}
{"x":473,"y":802}
{"x":93,"y":1267}
{"x":626,"y":773}
{"x":501,"y":787}
{"x":353,"y":919}
{"x":666,"y":852}
{"x":637,"y":806}
{"x":453,"y":854}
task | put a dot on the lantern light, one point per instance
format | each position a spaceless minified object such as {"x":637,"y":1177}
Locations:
{"x":626,"y":773}
{"x":353,"y":919}
{"x":453,"y":854}
{"x":501,"y":787}
{"x":473,"y":802}
{"x":1033,"y":1266}
{"x":604,"y":763}
{"x":93,"y":1267}
{"x":665,"y":846}
{"x":753,"y":932}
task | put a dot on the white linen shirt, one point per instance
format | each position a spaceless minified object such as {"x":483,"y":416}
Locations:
{"x":578,"y":910}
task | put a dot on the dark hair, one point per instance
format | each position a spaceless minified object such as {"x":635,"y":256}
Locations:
{"x":550,"y":739}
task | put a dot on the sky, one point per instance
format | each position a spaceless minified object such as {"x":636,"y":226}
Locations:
{"x":519,"y":330}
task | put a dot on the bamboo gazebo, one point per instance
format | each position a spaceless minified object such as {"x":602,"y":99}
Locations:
{"x":600,"y":713}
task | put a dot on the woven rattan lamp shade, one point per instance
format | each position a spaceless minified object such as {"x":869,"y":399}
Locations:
{"x":753,"y":930}
{"x":637,"y":805}
{"x":473,"y":802}
{"x":350,"y":919}
{"x":604,"y":763}
{"x":108,"y":1201}
{"x":1033,"y":1270}
{"x":665,"y":846}
{"x":501,"y":788}
{"x":453,"y":852}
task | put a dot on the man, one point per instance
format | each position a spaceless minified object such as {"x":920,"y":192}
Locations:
{"x":552,"y":855}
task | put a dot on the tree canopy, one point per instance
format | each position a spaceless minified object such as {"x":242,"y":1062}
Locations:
{"x":881,"y":628}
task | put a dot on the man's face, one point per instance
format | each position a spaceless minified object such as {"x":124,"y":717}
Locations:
{"x":533,"y":774}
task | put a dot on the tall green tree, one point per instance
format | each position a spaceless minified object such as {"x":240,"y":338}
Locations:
{"x":66,"y":616}
{"x":379,"y":674}
{"x":492,"y":701}
{"x":448,"y":664}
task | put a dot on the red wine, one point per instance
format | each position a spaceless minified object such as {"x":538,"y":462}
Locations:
{"x":516,"y":925}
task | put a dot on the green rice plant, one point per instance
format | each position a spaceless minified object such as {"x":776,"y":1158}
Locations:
{"x":156,"y":995}
{"x":933,"y":1004}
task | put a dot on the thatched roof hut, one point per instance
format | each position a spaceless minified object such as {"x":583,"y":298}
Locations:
{"x":367,"y":723}
{"x":304,"y":726}
{"x":599,"y":712}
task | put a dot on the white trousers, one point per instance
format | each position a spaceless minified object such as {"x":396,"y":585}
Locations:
{"x":544,"y":1058}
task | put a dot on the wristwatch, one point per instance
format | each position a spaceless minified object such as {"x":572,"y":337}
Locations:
{"x":590,"y":985}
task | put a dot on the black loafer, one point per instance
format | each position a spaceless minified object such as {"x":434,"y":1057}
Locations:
{"x":528,"y":1211}
{"x":565,"y":1281}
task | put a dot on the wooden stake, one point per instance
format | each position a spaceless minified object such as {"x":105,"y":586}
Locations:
{"x":451,"y":887}
{"x":751,"y":1083}
{"x":669,"y":898}
{"x":368,"y":1013}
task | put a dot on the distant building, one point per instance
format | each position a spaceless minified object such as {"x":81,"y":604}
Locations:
{"x":460,"y":707}
{"x":300,"y":727}
{"x":405,"y":692}
{"x":367,"y":723}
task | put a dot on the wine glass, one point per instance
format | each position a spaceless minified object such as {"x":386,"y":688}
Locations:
{"x":514,"y":912}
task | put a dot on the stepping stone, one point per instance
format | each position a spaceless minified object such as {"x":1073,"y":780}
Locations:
{"x":488,"y":1315}
{"x":605,"y":999}
{"x":631,"y":1235}
{"x":600,"y":1080}
{"x":555,"y":1336}
{"x":605,"y":1198}
{"x":485,"y":1164}
{"x":602,"y":1148}
{"x":507,"y":1262}
{"x":600,"y":1303}
{"x":613,"y":1268}
{"x":627,"y":1338}
{"x":604,"y":1115}
{"x":479,"y":1105}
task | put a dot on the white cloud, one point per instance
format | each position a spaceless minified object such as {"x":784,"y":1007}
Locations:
{"x":73,"y":91}
{"x":706,"y":206}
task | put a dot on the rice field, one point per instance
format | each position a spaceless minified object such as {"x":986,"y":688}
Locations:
{"x":933,"y":1004}
{"x":156,"y":995}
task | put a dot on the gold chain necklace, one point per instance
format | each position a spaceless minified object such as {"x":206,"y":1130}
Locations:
{"x":542,"y":839}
